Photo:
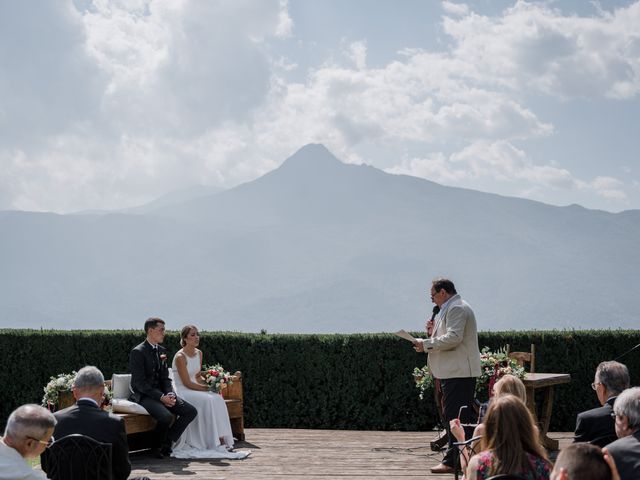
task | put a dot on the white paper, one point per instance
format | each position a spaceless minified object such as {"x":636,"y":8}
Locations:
{"x":405,"y":335}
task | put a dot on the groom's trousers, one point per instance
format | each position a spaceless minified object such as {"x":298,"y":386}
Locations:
{"x":167,"y":429}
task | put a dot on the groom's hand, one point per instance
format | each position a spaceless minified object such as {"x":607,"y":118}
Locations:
{"x":168,"y":400}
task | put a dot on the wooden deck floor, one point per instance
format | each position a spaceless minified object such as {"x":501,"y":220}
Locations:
{"x":284,"y":454}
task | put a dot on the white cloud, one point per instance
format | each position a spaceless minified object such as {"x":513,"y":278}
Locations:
{"x":606,"y":187}
{"x":153,"y":95}
{"x":358,"y":54}
{"x":535,"y":47}
{"x":284,"y":29}
{"x":455,"y":8}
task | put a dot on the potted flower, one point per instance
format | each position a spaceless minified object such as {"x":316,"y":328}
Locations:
{"x":57,"y":393}
{"x":493,"y":365}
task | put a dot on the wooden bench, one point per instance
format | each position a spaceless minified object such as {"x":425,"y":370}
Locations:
{"x":233,"y":398}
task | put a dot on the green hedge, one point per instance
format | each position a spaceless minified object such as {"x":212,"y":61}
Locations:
{"x":358,"y":381}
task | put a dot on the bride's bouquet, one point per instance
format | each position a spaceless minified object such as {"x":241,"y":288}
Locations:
{"x":216,"y":377}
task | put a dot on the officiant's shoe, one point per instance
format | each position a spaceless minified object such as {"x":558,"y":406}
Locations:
{"x":442,"y":468}
{"x":166,"y":450}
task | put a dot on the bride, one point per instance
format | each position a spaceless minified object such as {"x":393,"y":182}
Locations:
{"x":209,"y":434}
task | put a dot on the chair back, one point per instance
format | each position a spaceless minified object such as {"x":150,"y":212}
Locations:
{"x":77,"y":457}
{"x":524,"y":357}
{"x":464,"y":449}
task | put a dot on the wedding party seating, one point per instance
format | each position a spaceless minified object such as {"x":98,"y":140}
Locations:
{"x":138,"y":420}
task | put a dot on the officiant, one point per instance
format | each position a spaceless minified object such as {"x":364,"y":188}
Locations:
{"x":453,"y":358}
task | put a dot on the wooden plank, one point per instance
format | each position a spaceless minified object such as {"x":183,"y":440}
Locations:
{"x":285,"y":454}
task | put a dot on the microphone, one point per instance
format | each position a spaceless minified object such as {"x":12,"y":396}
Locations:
{"x":436,"y":310}
{"x":625,"y":353}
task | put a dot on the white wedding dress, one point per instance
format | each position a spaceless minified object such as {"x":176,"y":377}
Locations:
{"x":201,"y":439}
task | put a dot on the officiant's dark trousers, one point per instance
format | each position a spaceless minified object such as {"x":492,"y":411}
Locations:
{"x":167,"y":429}
{"x":456,"y":392}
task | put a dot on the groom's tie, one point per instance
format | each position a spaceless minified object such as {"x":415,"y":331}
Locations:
{"x":156,"y":357}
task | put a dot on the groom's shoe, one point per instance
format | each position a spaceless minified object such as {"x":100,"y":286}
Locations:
{"x":157,"y":453}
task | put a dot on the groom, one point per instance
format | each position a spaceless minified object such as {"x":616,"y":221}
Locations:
{"x":152,"y":388}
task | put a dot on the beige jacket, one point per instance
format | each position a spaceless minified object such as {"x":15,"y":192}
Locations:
{"x":453,"y":346}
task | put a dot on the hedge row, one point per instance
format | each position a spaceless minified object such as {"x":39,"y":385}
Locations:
{"x":357,"y":381}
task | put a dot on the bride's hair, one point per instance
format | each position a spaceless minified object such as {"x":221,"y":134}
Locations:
{"x":186,"y":330}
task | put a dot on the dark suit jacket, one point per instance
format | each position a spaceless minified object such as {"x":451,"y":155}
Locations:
{"x":626,"y":453}
{"x":89,"y":420}
{"x":149,"y":376}
{"x":596,"y":425}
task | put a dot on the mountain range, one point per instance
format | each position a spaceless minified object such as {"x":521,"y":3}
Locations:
{"x":317,"y":245}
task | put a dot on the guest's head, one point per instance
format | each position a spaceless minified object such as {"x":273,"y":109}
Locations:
{"x":154,"y":328}
{"x":442,"y":289}
{"x":627,"y":412}
{"x":510,"y":432}
{"x":581,"y":461}
{"x":89,"y":383}
{"x":189,"y":335}
{"x":610,"y":379}
{"x":29,"y":430}
{"x":510,"y":385}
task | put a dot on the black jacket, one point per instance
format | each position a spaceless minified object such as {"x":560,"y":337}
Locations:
{"x":87,"y":419}
{"x":149,"y":372}
{"x":596,"y":425}
{"x":626,"y":453}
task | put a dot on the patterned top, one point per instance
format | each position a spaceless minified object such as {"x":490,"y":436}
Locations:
{"x":541,"y":467}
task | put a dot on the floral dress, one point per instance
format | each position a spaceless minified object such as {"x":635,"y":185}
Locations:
{"x":542,"y":468}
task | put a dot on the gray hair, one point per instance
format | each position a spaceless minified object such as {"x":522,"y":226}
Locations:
{"x":88,"y":377}
{"x":628,"y":404}
{"x":29,"y":421}
{"x":614,"y":376}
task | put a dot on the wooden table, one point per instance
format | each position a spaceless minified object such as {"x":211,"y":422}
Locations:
{"x":546,"y":382}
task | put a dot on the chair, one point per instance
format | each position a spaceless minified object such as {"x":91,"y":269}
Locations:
{"x":77,"y":457}
{"x":464,"y":448}
{"x":522,"y":357}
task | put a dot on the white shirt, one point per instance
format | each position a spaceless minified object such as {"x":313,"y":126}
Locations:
{"x":14,"y":467}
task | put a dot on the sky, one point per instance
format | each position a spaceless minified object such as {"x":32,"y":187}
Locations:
{"x":110,"y":104}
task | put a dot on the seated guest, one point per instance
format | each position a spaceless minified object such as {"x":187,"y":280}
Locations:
{"x":596,"y":425}
{"x":506,"y":385}
{"x":28,"y":432}
{"x":626,"y":450}
{"x":581,"y":461}
{"x":510,"y":444}
{"x":87,"y":418}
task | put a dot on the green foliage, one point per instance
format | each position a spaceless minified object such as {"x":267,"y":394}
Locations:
{"x":358,"y":381}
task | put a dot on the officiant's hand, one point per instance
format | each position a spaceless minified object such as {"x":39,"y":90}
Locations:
{"x":418,"y":346}
{"x":429,"y":327}
{"x":169,"y":400}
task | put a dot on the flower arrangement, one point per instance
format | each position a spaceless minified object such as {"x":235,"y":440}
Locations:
{"x":493,"y":365}
{"x":63,"y":382}
{"x":216,"y":377}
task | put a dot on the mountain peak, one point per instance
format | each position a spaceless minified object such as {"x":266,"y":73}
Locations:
{"x":312,"y":155}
